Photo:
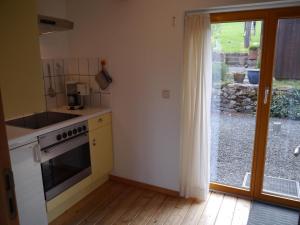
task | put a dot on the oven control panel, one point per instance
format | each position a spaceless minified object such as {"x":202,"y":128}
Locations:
{"x":63,"y":134}
{"x":71,"y":132}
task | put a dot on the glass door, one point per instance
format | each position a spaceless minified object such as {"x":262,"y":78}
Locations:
{"x":281,"y":174}
{"x":236,"y":49}
{"x":256,"y":104}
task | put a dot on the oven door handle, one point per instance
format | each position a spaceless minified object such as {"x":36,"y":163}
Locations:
{"x":59,"y":149}
{"x":37,"y":153}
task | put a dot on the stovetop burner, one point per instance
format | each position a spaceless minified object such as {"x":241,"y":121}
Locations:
{"x":40,"y":120}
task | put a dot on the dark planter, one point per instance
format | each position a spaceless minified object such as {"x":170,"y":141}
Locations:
{"x":253,"y":76}
{"x":239,"y":77}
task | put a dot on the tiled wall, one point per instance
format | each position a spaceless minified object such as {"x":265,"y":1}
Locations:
{"x":73,"y":69}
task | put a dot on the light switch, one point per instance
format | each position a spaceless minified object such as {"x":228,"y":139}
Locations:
{"x":165,"y":94}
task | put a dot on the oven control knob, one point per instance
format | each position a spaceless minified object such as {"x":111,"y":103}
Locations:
{"x":84,"y":128}
{"x":58,"y":137}
{"x":64,"y":135}
{"x":69,"y":133}
{"x":79,"y":129}
{"x":74,"y":131}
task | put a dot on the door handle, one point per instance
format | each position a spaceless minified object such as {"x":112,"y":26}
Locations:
{"x":10,"y":190}
{"x":266,"y":96}
{"x":297,"y":151}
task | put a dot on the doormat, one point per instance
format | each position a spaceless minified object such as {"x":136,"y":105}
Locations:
{"x":264,"y":214}
{"x":278,"y":186}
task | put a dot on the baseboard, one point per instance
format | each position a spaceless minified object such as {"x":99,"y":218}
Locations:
{"x":144,"y":186}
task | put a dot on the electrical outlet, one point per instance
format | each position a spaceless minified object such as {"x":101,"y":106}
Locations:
{"x":165,"y":94}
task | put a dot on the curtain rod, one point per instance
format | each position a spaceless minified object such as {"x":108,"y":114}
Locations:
{"x":243,"y":7}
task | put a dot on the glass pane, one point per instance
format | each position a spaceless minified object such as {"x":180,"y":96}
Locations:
{"x":282,"y":166}
{"x":236,"y":63}
{"x":63,"y":167}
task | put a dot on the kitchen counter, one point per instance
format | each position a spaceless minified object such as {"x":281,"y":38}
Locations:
{"x":20,"y":136}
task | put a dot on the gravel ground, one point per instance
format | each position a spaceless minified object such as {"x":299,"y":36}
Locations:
{"x":232,"y":147}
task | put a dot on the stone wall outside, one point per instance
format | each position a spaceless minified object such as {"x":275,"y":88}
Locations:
{"x":236,"y":97}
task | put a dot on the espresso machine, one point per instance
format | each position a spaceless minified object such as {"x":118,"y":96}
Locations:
{"x":75,"y":94}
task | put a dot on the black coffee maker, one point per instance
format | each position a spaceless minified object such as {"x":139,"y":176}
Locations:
{"x":75,"y":94}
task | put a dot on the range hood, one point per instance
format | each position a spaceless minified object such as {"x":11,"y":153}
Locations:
{"x":49,"y":24}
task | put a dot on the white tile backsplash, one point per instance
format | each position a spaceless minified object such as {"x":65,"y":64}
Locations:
{"x":72,"y":78}
{"x":87,"y":100}
{"x":84,"y":66}
{"x":58,"y":67}
{"x":105,"y":100}
{"x":45,"y":64}
{"x":50,"y":102}
{"x":94,"y":85}
{"x":96,"y":99}
{"x":59,"y":84}
{"x":74,"y":69}
{"x":47,"y":81}
{"x":71,"y":66}
{"x":84,"y":79}
{"x":94,"y":67}
{"x":61,"y":100}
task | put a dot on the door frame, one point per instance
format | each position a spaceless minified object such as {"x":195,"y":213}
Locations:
{"x":5,"y":217}
{"x":270,"y":18}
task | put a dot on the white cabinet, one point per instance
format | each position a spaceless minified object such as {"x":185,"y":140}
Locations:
{"x":28,"y":186}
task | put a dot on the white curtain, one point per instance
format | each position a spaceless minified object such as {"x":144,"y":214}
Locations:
{"x":195,"y":108}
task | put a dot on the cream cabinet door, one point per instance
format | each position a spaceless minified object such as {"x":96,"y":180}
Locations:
{"x":101,"y":151}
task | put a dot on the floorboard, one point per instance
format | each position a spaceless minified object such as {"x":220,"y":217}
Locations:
{"x":241,"y":212}
{"x":115,"y":203}
{"x":195,"y":212}
{"x":147,"y":213}
{"x":226,"y":211}
{"x":211,"y":210}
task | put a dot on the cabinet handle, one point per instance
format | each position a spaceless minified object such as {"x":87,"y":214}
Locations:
{"x":94,"y":142}
{"x":37,"y":153}
{"x":100,"y":120}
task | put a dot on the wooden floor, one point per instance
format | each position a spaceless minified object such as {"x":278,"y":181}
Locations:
{"x":116,"y":203}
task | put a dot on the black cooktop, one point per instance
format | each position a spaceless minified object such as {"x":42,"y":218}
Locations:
{"x":40,"y":120}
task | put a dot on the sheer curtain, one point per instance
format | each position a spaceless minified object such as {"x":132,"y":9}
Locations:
{"x":195,"y":108}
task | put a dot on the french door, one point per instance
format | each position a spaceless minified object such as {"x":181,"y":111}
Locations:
{"x":256,"y":104}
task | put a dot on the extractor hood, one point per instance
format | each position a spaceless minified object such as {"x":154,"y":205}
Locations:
{"x":49,"y":24}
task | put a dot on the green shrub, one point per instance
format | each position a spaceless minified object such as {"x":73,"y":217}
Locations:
{"x":219,"y":72}
{"x":286,"y":105}
{"x":254,"y":47}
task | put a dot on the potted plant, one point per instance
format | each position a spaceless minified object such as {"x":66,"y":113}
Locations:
{"x":253,"y":73}
{"x":253,"y":52}
{"x":239,"y":77}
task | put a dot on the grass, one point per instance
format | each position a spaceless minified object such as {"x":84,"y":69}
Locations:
{"x":286,"y":84}
{"x":229,"y":37}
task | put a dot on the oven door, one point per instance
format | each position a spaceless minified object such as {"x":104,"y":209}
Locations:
{"x":65,"y":164}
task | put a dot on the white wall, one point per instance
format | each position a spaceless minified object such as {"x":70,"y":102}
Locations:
{"x":54,"y":45}
{"x":144,"y":52}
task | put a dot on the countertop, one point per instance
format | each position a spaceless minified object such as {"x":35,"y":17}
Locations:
{"x":20,"y":136}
